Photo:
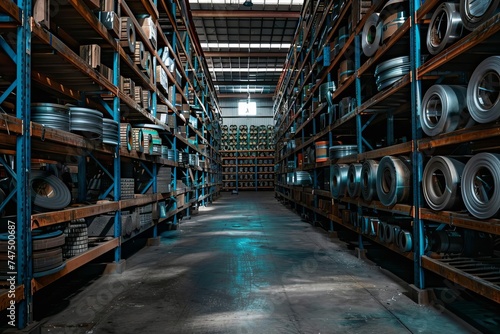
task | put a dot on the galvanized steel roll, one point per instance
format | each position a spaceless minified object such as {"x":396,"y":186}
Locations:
{"x":371,"y":35}
{"x":480,"y":185}
{"x":389,"y":72}
{"x":441,"y":183}
{"x":445,"y":28}
{"x":126,"y":136}
{"x":326,"y":91}
{"x":444,"y":109}
{"x":405,"y":241}
{"x":338,"y":180}
{"x":474,"y":13}
{"x":483,"y":91}
{"x":87,"y":122}
{"x":51,"y":115}
{"x":381,"y":231}
{"x":354,"y":180}
{"x":110,"y":132}
{"x":393,"y":180}
{"x":340,"y":151}
{"x":302,"y":178}
{"x":369,"y":180}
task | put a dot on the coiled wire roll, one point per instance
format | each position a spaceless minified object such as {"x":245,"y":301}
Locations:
{"x":369,"y":180}
{"x":51,"y":115}
{"x":483,"y":91}
{"x":445,"y":28}
{"x":444,"y":109}
{"x":480,"y":185}
{"x":126,"y":136}
{"x":354,"y":180}
{"x":110,"y":133}
{"x":87,"y":122}
{"x":474,"y":13}
{"x":371,"y":35}
{"x":441,"y":183}
{"x":138,"y":140}
{"x":338,"y":180}
{"x":393,"y":180}
{"x":127,"y":34}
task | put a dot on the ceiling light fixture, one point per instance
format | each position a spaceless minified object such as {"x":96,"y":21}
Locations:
{"x":248,"y":3}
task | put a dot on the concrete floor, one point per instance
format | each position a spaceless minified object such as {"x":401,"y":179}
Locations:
{"x":247,"y":264}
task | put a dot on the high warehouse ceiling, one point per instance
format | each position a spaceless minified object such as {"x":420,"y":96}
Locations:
{"x":245,"y":46}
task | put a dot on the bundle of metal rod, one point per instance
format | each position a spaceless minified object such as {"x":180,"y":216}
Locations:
{"x":389,"y":72}
{"x":445,"y":27}
{"x":146,"y":99}
{"x":110,"y":132}
{"x":87,"y":122}
{"x":51,"y":115}
{"x":140,"y":57}
{"x":127,"y":34}
{"x":154,"y":147}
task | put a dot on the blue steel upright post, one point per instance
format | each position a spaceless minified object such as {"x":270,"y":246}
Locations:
{"x":116,"y":158}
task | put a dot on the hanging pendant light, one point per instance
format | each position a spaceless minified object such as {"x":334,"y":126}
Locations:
{"x":248,"y":3}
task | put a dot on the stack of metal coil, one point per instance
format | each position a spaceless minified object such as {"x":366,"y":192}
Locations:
{"x":302,"y":178}
{"x":390,"y":71}
{"x":110,"y":133}
{"x":51,"y":115}
{"x":87,"y":122}
{"x":340,"y":151}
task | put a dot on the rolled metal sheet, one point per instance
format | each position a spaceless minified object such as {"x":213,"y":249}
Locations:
{"x":392,"y":23}
{"x":474,"y":13}
{"x":443,"y":241}
{"x":381,"y":231}
{"x":445,"y":28}
{"x":389,"y":72}
{"x":371,"y":35}
{"x":127,"y":34}
{"x":441,"y":183}
{"x":338,"y":180}
{"x":391,"y":63}
{"x":444,"y":109}
{"x":405,"y":241}
{"x":483,"y":91}
{"x":393,"y":180}
{"x":354,"y":180}
{"x":126,"y":136}
{"x":111,"y":133}
{"x":340,"y":151}
{"x":50,"y":193}
{"x":51,"y":115}
{"x":326,"y":91}
{"x":369,"y":180}
{"x":87,"y":122}
{"x":302,"y":178}
{"x":480,"y":185}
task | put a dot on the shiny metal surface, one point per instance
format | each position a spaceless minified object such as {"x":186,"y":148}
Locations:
{"x":354,"y":180}
{"x":474,"y":12}
{"x":445,"y":28}
{"x":371,"y":35}
{"x":87,"y":122}
{"x":338,"y":180}
{"x":483,"y":91}
{"x":393,"y":180}
{"x":340,"y":151}
{"x":51,"y":115}
{"x":369,"y":180}
{"x":110,"y":132}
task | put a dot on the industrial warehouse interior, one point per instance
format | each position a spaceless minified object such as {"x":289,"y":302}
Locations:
{"x":249,"y":166}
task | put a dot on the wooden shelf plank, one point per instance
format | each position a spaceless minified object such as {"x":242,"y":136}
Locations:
{"x":51,"y":218}
{"x":10,"y":8}
{"x":4,"y":297}
{"x":461,"y":136}
{"x":462,"y":220}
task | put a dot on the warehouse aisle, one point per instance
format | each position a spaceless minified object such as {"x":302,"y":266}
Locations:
{"x":246,"y":264}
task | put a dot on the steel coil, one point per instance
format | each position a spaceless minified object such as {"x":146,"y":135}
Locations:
{"x":87,"y":122}
{"x":369,"y":180}
{"x":480,"y":185}
{"x":392,"y":23}
{"x":389,"y":72}
{"x":302,"y":178}
{"x":326,"y":91}
{"x":445,"y":28}
{"x":446,"y":241}
{"x":50,"y":193}
{"x":441,"y":183}
{"x":389,"y":233}
{"x":110,"y":132}
{"x":371,"y":35}
{"x":483,"y":91}
{"x":474,"y":12}
{"x":127,"y":34}
{"x":354,"y":180}
{"x":51,"y":115}
{"x":340,"y":151}
{"x":391,"y":63}
{"x":381,"y":231}
{"x":405,"y":241}
{"x":444,"y":109}
{"x":338,"y":180}
{"x":126,"y":136}
{"x":393,"y":180}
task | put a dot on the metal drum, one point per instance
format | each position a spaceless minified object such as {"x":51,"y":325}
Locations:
{"x":321,"y":151}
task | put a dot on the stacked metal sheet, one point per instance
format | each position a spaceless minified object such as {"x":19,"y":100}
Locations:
{"x":51,"y":115}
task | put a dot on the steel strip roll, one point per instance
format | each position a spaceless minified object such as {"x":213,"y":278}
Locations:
{"x":50,"y":193}
{"x":354,"y":180}
{"x":326,"y":91}
{"x":444,"y":109}
{"x":391,"y":63}
{"x":483,"y":91}
{"x":110,"y":134}
{"x":87,"y":122}
{"x":340,"y":151}
{"x":371,"y":35}
{"x":393,"y":180}
{"x":369,"y":180}
{"x":441,"y":183}
{"x":405,"y":241}
{"x":480,"y":185}
{"x":302,"y":178}
{"x":445,"y":28}
{"x":51,"y":115}
{"x":126,"y":136}
{"x":338,"y":180}
{"x":392,"y":23}
{"x":127,"y":34}
{"x":138,"y":140}
{"x":474,"y":13}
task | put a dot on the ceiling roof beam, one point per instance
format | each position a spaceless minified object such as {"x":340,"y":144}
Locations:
{"x":244,"y":96}
{"x":223,"y":14}
{"x":234,"y":54}
{"x":245,"y":83}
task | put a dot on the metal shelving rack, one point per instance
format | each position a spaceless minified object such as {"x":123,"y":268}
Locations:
{"x":39,"y":56}
{"x":296,"y":115}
